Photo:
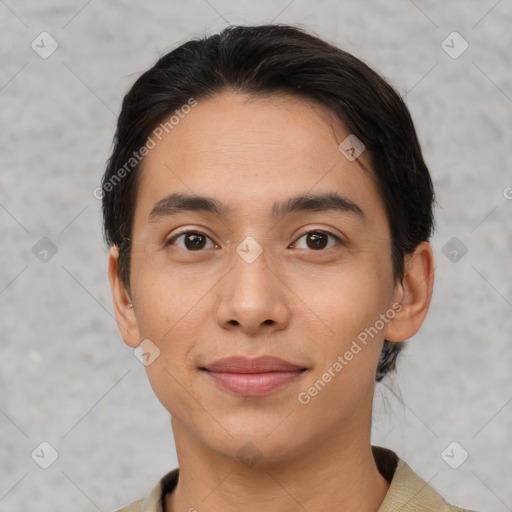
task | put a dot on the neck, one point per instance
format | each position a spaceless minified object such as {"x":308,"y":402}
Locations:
{"x":333,"y":475}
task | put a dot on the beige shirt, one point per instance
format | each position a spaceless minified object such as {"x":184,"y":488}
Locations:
{"x":407,"y":491}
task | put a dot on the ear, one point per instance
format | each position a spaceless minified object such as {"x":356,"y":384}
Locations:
{"x":413,"y":293}
{"x":123,"y":308}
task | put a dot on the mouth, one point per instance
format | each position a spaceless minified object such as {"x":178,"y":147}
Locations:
{"x":252,"y":377}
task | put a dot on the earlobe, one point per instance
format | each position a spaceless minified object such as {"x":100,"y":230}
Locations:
{"x":414,"y":293}
{"x":123,"y":307}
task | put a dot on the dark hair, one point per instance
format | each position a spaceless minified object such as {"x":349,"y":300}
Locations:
{"x":268,"y":59}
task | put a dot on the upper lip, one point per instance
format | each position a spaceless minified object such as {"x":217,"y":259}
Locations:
{"x":242,"y":364}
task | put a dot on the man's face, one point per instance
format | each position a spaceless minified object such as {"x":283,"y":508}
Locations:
{"x":304,"y":298}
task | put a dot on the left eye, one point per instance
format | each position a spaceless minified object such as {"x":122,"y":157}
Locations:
{"x":192,"y":241}
{"x":317,"y":240}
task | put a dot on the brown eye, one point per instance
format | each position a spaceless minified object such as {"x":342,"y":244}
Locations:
{"x":194,"y":241}
{"x":191,"y":241}
{"x":317,"y":240}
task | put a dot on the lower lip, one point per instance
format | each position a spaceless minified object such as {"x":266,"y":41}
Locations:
{"x":254,"y":384}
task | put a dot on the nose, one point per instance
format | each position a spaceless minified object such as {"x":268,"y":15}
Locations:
{"x":252,"y":298}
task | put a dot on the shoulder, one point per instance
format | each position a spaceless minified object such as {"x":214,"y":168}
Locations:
{"x":153,"y":501}
{"x":407,"y":491}
{"x":134,"y":507}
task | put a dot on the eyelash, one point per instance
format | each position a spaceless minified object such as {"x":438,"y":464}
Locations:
{"x":173,"y":239}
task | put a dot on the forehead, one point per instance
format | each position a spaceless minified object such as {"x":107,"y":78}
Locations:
{"x":251,"y":151}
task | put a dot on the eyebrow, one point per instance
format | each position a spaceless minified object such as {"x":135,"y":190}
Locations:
{"x":177,"y":203}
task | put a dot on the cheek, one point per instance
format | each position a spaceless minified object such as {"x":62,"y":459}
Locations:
{"x":171,"y":310}
{"x":173,"y":316}
{"x":346,"y":299}
{"x":350,"y":303}
{"x":165,"y":296}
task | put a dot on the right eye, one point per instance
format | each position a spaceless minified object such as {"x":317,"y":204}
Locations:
{"x":192,"y":241}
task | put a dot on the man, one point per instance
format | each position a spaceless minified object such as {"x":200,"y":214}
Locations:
{"x":268,"y":211}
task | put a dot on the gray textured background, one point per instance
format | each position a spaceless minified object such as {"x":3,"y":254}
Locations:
{"x":65,"y":375}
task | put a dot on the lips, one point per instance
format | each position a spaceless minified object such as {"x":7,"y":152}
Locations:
{"x":252,"y":377}
{"x":240,"y":364}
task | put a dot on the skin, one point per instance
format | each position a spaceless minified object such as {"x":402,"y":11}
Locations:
{"x":295,"y":301}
